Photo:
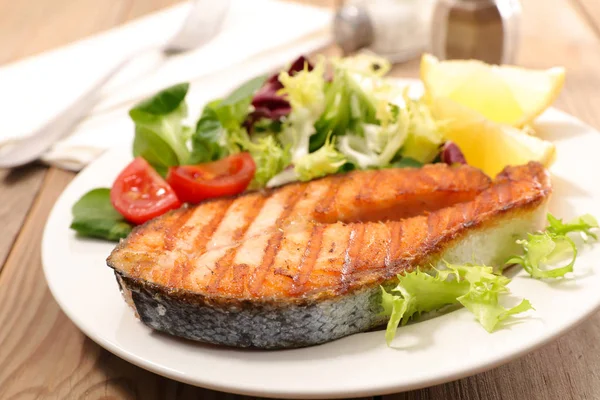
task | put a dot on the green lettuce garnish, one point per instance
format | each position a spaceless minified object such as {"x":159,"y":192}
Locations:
{"x":327,"y":160}
{"x":347,"y":108}
{"x":552,"y":246}
{"x":305,"y":92}
{"x":221,"y":124}
{"x":378,"y":145}
{"x":482,"y":298}
{"x":476,"y":287}
{"x":543,"y":249}
{"x":269,"y":156}
{"x":160,"y":135}
{"x":424,"y":136}
{"x":210,"y":141}
{"x":405,"y":131}
{"x":583,"y":224}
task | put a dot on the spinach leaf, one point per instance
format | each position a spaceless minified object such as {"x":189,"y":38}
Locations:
{"x":94,"y":216}
{"x":160,"y":136}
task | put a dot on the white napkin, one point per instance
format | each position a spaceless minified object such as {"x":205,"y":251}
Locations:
{"x":257,"y":36}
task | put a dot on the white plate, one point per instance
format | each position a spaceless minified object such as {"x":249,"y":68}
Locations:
{"x":430,"y":352}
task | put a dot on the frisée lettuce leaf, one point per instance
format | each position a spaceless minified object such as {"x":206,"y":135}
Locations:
{"x":543,"y":249}
{"x":418,"y":292}
{"x":424,"y":137}
{"x":583,"y":224}
{"x":482,"y":298}
{"x":347,"y":108}
{"x":476,"y":287}
{"x":304,"y":90}
{"x":327,"y":160}
{"x":379,"y":144}
{"x":552,"y":246}
{"x":269,"y":156}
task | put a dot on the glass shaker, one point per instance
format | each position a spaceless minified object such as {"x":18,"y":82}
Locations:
{"x":485,"y":30}
{"x":398,"y":30}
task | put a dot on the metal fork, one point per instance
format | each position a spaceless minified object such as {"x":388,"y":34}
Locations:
{"x":201,"y":25}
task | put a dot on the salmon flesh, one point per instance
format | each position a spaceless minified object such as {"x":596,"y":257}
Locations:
{"x":303,"y":264}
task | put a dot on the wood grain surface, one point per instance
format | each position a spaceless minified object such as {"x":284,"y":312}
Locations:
{"x":44,"y":356}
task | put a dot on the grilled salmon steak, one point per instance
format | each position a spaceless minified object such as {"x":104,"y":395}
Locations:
{"x":302,"y":264}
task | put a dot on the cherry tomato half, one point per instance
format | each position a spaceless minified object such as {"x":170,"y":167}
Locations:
{"x":228,"y":176}
{"x":140,"y":193}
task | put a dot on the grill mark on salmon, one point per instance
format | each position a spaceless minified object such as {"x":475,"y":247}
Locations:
{"x":483,"y":200}
{"x":309,"y":258}
{"x":173,"y":233}
{"x":366,"y":193}
{"x":435,"y":223}
{"x":174,"y":229}
{"x":297,"y":273}
{"x":351,"y":255}
{"x":177,"y":272}
{"x":328,"y":205}
{"x":206,"y":233}
{"x":371,"y":255}
{"x":394,"y":246}
{"x":224,"y":264}
{"x":274,"y":242}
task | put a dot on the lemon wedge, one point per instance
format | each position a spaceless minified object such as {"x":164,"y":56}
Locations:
{"x":503,"y":94}
{"x":488,"y":145}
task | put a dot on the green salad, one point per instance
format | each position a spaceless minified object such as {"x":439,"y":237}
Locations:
{"x":303,"y":123}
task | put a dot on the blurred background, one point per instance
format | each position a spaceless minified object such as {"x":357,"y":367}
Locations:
{"x":52,"y":51}
{"x":397,"y":28}
{"x":218,"y":45}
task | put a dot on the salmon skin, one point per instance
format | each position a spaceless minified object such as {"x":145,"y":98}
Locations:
{"x":303,"y":264}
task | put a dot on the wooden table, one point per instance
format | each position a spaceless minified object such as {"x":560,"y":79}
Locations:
{"x":43,"y":355}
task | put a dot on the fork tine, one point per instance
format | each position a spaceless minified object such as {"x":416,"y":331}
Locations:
{"x":201,"y":25}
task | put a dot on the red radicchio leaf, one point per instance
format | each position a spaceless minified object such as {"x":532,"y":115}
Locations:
{"x":451,"y":154}
{"x":267,"y":103}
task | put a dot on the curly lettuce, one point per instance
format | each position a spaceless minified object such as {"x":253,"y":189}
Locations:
{"x":424,"y":136}
{"x":304,"y":90}
{"x":379,"y":144}
{"x":476,"y":287}
{"x":351,"y":98}
{"x":327,"y":160}
{"x":268,"y":155}
{"x":545,"y":249}
{"x":583,"y":224}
